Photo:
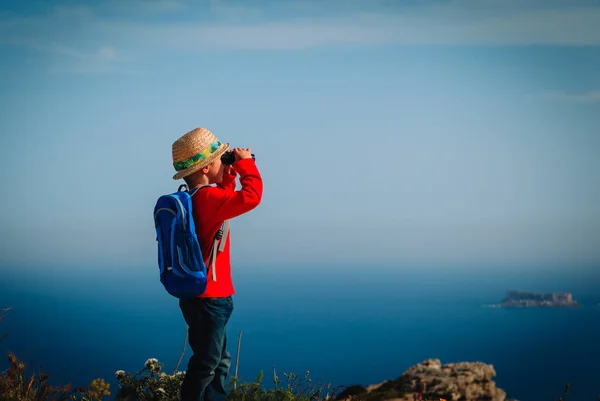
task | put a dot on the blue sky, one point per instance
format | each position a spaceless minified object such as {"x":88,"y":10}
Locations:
{"x":386,"y":131}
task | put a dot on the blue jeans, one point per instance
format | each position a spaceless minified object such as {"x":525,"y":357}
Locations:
{"x":209,"y":366}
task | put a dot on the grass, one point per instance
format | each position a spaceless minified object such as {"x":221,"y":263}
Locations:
{"x":152,"y":383}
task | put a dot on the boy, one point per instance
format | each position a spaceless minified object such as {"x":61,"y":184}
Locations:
{"x":197,"y":159}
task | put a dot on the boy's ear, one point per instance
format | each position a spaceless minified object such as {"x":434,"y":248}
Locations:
{"x":205,"y":169}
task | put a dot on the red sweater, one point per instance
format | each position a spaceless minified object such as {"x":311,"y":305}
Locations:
{"x":211,"y":207}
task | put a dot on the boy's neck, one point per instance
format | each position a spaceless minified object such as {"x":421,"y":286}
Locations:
{"x":198,"y":180}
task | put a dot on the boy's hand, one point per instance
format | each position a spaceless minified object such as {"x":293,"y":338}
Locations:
{"x":241,"y":153}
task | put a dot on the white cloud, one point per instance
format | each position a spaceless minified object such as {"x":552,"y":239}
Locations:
{"x":102,"y":54}
{"x":581,"y":97}
{"x":149,"y":6}
{"x":102,"y":59}
{"x":102,"y":36}
{"x":580,"y":27}
{"x":294,"y":24}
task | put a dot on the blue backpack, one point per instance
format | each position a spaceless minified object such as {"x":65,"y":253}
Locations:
{"x":183,"y":272}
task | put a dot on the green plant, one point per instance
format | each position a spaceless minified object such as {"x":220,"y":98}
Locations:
{"x":296,"y":388}
{"x":149,"y":383}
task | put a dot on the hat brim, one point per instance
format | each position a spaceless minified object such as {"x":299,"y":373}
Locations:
{"x":213,"y":156}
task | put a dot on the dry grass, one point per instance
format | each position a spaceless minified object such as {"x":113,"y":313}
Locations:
{"x":16,"y":384}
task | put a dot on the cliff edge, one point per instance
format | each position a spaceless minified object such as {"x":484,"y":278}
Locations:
{"x":465,"y":381}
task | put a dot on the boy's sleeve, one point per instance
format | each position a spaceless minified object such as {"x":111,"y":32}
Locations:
{"x":230,"y":204}
{"x":228,"y":183}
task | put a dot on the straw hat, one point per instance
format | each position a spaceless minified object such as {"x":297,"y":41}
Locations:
{"x":194,"y":150}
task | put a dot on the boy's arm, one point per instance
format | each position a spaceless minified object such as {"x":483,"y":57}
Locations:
{"x":230,"y":204}
{"x":228,"y":183}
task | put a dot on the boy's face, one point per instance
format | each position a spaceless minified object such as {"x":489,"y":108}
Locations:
{"x":215,"y":171}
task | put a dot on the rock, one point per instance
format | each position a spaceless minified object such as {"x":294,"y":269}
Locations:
{"x":454,"y":381}
{"x":464,"y":381}
{"x":524,"y":299}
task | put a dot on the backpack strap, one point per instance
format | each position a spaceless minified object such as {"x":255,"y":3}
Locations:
{"x":219,"y":240}
{"x":225,"y":229}
{"x":193,"y":191}
{"x":218,"y":246}
{"x":213,"y":258}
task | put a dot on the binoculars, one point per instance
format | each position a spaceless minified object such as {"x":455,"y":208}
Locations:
{"x":228,"y":158}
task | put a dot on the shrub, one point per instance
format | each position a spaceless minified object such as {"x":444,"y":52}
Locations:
{"x":149,"y":383}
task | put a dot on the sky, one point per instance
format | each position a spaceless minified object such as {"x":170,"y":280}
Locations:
{"x":386,"y":132}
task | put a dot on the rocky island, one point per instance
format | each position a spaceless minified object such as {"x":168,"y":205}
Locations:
{"x":524,"y":299}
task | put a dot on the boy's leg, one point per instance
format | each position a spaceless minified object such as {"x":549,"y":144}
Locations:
{"x":216,"y":390}
{"x":206,"y":319}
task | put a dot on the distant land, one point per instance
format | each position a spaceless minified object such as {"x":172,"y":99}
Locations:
{"x":524,"y":299}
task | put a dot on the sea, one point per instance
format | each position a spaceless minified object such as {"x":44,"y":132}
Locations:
{"x":342,"y":325}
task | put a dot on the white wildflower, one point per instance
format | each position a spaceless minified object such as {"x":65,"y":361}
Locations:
{"x":151,"y":362}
